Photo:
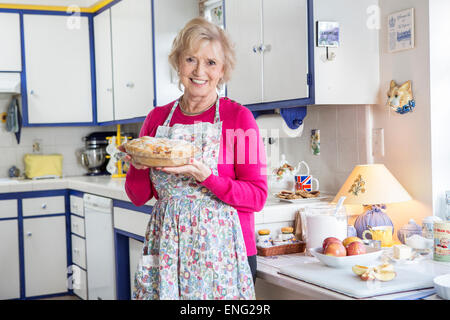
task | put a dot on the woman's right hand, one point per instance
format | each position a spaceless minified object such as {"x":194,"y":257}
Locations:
{"x":129,"y":159}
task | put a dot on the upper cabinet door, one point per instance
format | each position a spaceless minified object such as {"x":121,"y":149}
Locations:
{"x":285,"y":28}
{"x":180,"y":12}
{"x":58,"y":69}
{"x":10,"y":54}
{"x":103,"y":66}
{"x":132,"y":58}
{"x":244,"y":25}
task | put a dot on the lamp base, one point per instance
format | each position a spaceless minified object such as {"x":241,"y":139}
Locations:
{"x":374,"y":216}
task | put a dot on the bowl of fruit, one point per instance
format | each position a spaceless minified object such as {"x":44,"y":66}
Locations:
{"x":349,"y":252}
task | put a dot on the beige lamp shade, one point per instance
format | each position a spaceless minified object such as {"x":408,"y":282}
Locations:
{"x":372,"y":184}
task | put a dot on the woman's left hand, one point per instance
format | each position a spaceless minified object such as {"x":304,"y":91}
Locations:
{"x":195,"y":169}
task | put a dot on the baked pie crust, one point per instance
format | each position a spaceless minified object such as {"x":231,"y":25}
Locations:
{"x":155,"y":152}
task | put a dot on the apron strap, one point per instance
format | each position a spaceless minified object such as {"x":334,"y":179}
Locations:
{"x":167,"y":122}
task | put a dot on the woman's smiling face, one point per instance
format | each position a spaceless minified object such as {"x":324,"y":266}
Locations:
{"x":201,"y":71}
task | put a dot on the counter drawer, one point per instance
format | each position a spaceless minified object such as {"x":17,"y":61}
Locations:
{"x":8,"y":208}
{"x":131,"y":221}
{"x":79,"y":251}
{"x":43,"y":206}
{"x":79,"y":283}
{"x":76,"y":206}
{"x":77,"y":225}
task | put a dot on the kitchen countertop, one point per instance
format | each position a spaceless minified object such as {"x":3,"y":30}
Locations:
{"x":106,"y":186}
{"x":268,"y":271}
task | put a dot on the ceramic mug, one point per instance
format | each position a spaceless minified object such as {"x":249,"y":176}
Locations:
{"x":305,"y":182}
{"x":381,"y":233}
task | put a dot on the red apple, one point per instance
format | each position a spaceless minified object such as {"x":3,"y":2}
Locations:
{"x":328,"y":240}
{"x":335,"y":249}
{"x":356,"y":248}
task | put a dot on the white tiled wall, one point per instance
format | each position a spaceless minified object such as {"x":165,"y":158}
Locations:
{"x":343,"y":143}
{"x":343,"y":131}
{"x":62,"y":140}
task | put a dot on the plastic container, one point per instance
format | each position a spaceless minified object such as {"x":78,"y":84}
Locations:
{"x":322,"y":222}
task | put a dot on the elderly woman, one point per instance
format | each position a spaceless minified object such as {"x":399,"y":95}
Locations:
{"x":200,"y":240}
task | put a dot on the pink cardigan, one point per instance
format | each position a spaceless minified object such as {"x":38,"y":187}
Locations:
{"x":241,"y":181}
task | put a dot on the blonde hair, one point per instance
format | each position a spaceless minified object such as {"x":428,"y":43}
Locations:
{"x":193,"y":34}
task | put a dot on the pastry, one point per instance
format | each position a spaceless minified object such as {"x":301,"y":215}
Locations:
{"x":154,"y":152}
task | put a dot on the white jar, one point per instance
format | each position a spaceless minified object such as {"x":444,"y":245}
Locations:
{"x":323,"y":222}
{"x":264,"y":241}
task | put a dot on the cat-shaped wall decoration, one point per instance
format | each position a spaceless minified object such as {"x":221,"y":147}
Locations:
{"x":400,"y":98}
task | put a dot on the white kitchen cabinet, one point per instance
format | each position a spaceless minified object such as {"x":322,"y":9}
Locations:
{"x":103,"y":66}
{"x":131,"y":22}
{"x":8,"y":208}
{"x":353,"y":76}
{"x":43,"y":205}
{"x":58,"y":69}
{"x":9,"y":260}
{"x":180,"y":12}
{"x":271,"y":38}
{"x":11,"y":54}
{"x":45,"y":254}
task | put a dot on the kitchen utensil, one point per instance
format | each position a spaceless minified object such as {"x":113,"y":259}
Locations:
{"x":442,"y":286}
{"x":93,"y":155}
{"x":382,"y":233}
{"x":348,"y":261}
{"x":321,"y":222}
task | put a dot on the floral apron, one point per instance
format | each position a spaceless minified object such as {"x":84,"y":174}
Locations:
{"x":194,"y":247}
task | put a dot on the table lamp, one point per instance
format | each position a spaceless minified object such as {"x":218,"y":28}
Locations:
{"x":372,"y":185}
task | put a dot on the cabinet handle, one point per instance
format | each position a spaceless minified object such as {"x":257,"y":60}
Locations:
{"x":76,"y":250}
{"x":44,"y":206}
{"x":29,"y":234}
{"x":32,"y":92}
{"x":264,"y":48}
{"x":255,"y":49}
{"x":109,"y":90}
{"x":130,"y":85}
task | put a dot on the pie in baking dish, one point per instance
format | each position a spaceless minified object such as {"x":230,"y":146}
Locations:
{"x":153,"y":152}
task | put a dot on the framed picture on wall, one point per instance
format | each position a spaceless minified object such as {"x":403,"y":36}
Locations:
{"x":401,"y":30}
{"x":327,"y":34}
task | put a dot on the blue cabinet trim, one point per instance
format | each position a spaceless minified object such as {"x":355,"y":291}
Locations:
{"x":76,"y":193}
{"x":130,"y":206}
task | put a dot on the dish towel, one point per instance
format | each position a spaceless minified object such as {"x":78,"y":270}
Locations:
{"x":14,"y":119}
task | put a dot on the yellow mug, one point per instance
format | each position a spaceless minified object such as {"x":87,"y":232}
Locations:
{"x":381,"y":233}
